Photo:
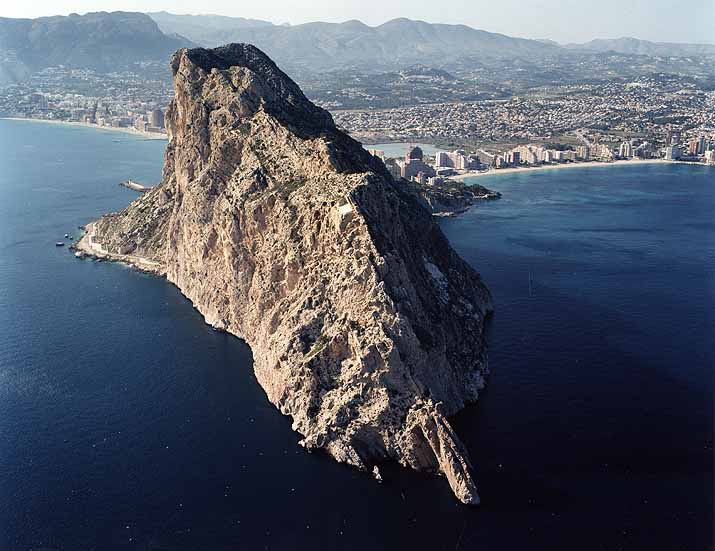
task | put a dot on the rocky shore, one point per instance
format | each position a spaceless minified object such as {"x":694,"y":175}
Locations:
{"x":366,"y":327}
{"x":452,"y":197}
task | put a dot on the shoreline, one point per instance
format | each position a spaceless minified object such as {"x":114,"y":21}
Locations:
{"x":85,"y":247}
{"x":587,"y":164}
{"x":125,"y":130}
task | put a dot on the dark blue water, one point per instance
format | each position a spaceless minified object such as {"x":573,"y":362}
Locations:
{"x":127,"y":423}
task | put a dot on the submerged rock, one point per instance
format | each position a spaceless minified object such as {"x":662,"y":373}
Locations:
{"x":365,"y":326}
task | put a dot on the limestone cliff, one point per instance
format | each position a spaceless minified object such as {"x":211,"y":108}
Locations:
{"x":365,"y":326}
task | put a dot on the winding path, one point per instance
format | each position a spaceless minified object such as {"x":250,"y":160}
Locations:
{"x":96,"y":248}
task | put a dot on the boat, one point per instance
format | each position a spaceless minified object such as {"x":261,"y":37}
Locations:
{"x":67,"y":235}
{"x":59,"y":244}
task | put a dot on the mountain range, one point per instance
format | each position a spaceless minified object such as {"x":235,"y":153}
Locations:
{"x":203,"y":29}
{"x":110,"y":41}
{"x":634,"y":46}
{"x":328,"y":46}
{"x":403,"y":37}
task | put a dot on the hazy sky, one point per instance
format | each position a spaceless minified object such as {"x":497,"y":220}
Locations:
{"x":560,"y":20}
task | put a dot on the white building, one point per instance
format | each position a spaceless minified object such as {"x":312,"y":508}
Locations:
{"x":672,"y":153}
{"x":625,"y":151}
{"x":456,"y":159}
{"x":441,"y":159}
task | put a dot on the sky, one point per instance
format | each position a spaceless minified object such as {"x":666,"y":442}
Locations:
{"x":560,"y":20}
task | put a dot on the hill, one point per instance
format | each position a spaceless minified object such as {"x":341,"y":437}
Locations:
{"x":634,"y":46}
{"x":396,"y":44}
{"x":203,"y":28}
{"x":101,"y":41}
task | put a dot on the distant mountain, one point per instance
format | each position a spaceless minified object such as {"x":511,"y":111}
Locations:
{"x":203,"y":28}
{"x":110,"y":41}
{"x":101,"y":41}
{"x":634,"y":46}
{"x":395,"y":44}
{"x":547,"y":41}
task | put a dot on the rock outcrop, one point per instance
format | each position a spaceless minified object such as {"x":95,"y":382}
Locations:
{"x":365,"y":326}
{"x":450,"y":197}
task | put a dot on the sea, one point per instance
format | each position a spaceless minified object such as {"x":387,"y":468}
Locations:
{"x":127,"y":423}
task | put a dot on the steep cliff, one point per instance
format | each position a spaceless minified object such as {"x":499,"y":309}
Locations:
{"x":365,"y":326}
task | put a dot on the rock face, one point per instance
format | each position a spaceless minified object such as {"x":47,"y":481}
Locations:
{"x":365,"y":326}
{"x":451,"y":197}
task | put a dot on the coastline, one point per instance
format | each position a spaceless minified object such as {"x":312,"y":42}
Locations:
{"x":587,"y":164}
{"x":125,"y":130}
{"x":85,"y":246}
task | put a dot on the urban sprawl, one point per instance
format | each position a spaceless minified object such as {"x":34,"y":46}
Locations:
{"x":661,"y":116}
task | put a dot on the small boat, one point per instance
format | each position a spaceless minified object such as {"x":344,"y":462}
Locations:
{"x":59,"y":244}
{"x":67,"y":235}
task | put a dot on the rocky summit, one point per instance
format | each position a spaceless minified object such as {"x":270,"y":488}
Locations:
{"x":366,"y":327}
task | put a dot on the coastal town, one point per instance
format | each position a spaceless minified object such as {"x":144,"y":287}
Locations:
{"x":122,"y":100}
{"x":644,"y":110}
{"x":649,"y":117}
{"x":443,"y":167}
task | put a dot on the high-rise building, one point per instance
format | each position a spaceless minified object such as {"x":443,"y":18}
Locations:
{"x":413,"y":164}
{"x":514,"y":157}
{"x":583,"y":152}
{"x":701,"y":145}
{"x":456,"y":159}
{"x":601,"y":152}
{"x":529,"y":156}
{"x":710,"y":156}
{"x":625,"y":151}
{"x":441,"y":159}
{"x":643,"y":151}
{"x":157,"y":118}
{"x":693,"y":148}
{"x":672,"y":153}
{"x":473,"y":162}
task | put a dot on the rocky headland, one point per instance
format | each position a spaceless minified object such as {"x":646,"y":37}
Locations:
{"x":366,"y":327}
{"x":451,"y":197}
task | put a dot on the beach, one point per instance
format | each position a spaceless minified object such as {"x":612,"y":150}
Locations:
{"x":126,"y":130}
{"x":587,"y":164}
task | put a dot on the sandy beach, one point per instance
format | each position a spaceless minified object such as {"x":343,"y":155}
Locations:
{"x":126,"y":130}
{"x":587,"y":164}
